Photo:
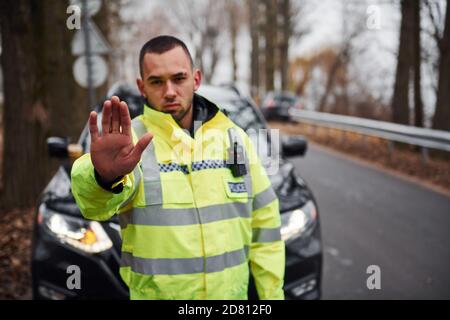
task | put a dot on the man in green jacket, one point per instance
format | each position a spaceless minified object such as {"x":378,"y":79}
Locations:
{"x":194,"y":202}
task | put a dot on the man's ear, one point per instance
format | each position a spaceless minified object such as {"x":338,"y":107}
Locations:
{"x":197,"y":79}
{"x":140,"y":85}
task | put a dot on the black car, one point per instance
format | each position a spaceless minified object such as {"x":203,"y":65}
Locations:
{"x":277,"y":105}
{"x":63,"y":238}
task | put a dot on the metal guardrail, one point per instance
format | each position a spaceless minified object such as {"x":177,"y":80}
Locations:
{"x":422,"y":137}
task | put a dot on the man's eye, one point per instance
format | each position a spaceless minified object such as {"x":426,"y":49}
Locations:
{"x":156,"y":82}
{"x":179,"y":79}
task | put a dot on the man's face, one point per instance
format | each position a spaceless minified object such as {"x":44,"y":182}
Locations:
{"x":168,"y":82}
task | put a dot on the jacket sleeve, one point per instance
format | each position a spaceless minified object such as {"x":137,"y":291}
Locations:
{"x":267,"y":250}
{"x":95,"y":202}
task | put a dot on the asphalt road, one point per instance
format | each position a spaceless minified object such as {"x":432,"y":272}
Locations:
{"x":370,"y":217}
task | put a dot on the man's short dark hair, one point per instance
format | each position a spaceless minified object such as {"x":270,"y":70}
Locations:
{"x":160,"y":45}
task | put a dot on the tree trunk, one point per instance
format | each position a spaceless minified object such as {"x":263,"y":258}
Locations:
{"x":25,"y":119}
{"x":441,"y":119}
{"x":418,"y":105}
{"x":286,"y":34}
{"x":261,"y":18}
{"x":233,"y":22}
{"x":254,"y":55}
{"x":215,"y":54}
{"x":40,"y":94}
{"x":65,"y":101}
{"x":103,"y":19}
{"x":271,"y":40}
{"x":330,"y":82}
{"x":400,"y":101}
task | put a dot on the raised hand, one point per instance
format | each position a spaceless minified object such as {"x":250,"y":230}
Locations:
{"x":113,"y":153}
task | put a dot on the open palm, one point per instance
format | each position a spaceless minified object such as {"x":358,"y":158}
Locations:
{"x":113,"y":153}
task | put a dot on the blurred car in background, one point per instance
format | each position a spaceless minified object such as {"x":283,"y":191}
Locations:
{"x":276,"y":105}
{"x":62,"y":237}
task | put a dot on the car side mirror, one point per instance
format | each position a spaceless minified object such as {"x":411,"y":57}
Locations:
{"x":57,"y":147}
{"x":294,"y":146}
{"x":225,"y":112}
{"x":61,"y":148}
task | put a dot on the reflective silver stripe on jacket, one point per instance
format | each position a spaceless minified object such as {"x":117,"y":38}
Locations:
{"x":264,"y":198}
{"x":137,"y":180}
{"x":150,"y":167}
{"x":185,"y":265}
{"x":156,"y":215}
{"x":266,"y":234}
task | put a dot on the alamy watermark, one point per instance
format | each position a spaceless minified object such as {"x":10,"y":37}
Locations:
{"x":73,"y":22}
{"x":373,"y":21}
{"x":74,"y":280}
{"x":373,"y":282}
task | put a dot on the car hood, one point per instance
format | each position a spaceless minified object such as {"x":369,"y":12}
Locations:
{"x":58,"y":195}
{"x":290,"y":188}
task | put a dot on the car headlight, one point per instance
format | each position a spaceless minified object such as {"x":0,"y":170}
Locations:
{"x":88,"y":236}
{"x":296,"y":222}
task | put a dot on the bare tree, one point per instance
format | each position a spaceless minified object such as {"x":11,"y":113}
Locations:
{"x":40,"y":94}
{"x":234,"y":23}
{"x":270,"y":11}
{"x":408,"y":76}
{"x":433,"y":30}
{"x":343,"y":56}
{"x":441,"y":119}
{"x":291,"y":28}
{"x":418,"y":104}
{"x":400,"y":100}
{"x":285,"y":14}
{"x":112,"y":24}
{"x":253,"y":18}
{"x":135,"y":32}
{"x":202,"y":23}
{"x":273,"y":28}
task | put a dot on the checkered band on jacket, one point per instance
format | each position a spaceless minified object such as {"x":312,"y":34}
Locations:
{"x":208,"y":164}
{"x":169,"y":167}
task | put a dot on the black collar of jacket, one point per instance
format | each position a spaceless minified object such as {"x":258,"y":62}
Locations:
{"x":204,"y":110}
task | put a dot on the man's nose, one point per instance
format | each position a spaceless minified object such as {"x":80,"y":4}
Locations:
{"x":170,"y":90}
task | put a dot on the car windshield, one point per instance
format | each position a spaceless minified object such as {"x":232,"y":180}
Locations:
{"x":234,"y":106}
{"x":242,"y":113}
{"x":289,"y":99}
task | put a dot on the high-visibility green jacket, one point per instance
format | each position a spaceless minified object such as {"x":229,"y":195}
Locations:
{"x":189,"y":227}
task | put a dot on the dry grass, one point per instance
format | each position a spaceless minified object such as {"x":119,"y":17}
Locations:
{"x":15,"y":253}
